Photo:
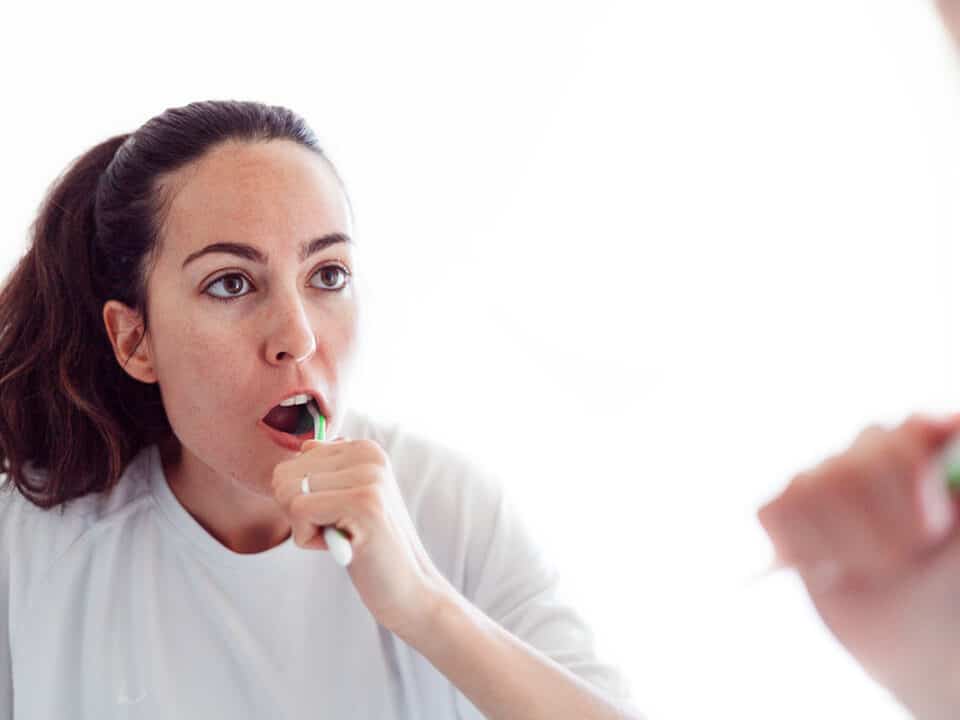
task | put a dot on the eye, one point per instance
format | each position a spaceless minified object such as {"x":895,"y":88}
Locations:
{"x":334,"y":269}
{"x":232,"y":283}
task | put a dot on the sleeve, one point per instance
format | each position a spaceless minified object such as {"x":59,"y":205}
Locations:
{"x":6,"y":669}
{"x":514,"y":582}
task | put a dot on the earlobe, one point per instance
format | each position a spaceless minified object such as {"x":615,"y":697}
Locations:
{"x":130,"y":347}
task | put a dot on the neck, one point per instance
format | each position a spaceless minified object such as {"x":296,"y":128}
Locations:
{"x":240,"y":519}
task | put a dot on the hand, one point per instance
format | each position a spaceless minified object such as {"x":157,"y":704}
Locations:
{"x":353,"y":488}
{"x":950,"y":11}
{"x":873,"y":533}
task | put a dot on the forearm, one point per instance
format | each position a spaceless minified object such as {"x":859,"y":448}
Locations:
{"x":500,"y":674}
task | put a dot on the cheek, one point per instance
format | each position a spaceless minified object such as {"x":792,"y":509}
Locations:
{"x":342,"y":333}
{"x":198,"y":374}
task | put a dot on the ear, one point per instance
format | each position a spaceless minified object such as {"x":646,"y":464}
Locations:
{"x":130,"y":344}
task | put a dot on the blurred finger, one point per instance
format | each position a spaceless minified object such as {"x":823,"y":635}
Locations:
{"x":860,"y":511}
{"x":829,"y":515}
{"x":888,"y":484}
{"x":870,"y":435}
{"x":931,"y":431}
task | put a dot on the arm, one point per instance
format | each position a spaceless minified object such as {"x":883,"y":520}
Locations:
{"x":501,"y":674}
{"x":505,"y":635}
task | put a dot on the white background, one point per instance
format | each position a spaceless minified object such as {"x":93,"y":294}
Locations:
{"x":646,"y":260}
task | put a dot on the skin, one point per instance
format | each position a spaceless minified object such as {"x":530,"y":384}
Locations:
{"x":221,"y":366}
{"x":874,"y":534}
{"x":950,"y":12}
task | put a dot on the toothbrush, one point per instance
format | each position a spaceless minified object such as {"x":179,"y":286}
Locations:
{"x":339,"y":546}
{"x":949,"y":463}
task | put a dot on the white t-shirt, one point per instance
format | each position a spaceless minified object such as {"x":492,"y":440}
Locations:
{"x":120,"y":605}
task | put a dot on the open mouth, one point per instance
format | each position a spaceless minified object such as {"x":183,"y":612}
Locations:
{"x":293,"y":419}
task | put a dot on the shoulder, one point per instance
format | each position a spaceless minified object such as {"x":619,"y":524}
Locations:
{"x":33,"y":539}
{"x":42,"y":533}
{"x":427,"y":471}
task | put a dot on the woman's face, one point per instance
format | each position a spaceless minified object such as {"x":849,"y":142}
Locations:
{"x":230,"y":335}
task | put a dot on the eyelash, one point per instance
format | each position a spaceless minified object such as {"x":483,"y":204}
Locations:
{"x":347,"y":275}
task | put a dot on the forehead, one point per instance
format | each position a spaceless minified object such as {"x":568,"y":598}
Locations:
{"x":264,"y":193}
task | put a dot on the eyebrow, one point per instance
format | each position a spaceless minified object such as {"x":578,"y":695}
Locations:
{"x":252,"y":253}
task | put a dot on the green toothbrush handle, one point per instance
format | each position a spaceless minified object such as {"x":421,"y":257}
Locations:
{"x":953,"y":475}
{"x":338,"y":544}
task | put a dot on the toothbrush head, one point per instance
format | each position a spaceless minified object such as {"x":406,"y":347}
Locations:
{"x":319,"y":422}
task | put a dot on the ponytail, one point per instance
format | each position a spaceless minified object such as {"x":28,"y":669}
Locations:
{"x":62,"y":391}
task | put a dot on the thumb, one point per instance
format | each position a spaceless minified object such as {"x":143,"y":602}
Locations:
{"x":311,"y":443}
{"x":933,"y":432}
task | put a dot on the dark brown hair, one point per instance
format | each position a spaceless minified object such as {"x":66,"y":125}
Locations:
{"x":66,"y":405}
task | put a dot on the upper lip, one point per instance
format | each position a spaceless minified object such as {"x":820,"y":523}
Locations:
{"x":317,"y":398}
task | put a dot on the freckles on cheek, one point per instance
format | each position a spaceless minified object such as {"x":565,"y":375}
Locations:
{"x":195,"y":377}
{"x":343,"y":333}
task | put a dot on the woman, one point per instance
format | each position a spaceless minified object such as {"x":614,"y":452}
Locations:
{"x":183,"y":281}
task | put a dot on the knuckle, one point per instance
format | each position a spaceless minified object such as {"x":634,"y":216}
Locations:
{"x":916,"y":423}
{"x":835,"y":467}
{"x":802,"y":478}
{"x":371,"y":448}
{"x":369,"y":500}
{"x":369,"y":474}
{"x":369,"y":495}
{"x":782,"y":520}
{"x":767,"y":515}
{"x":847,"y":470}
{"x":839,"y":469}
{"x":870,"y":431}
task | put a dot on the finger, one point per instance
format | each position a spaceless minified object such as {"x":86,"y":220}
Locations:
{"x":323,"y":457}
{"x":311,"y":443}
{"x":888,"y":485}
{"x":309,"y":514}
{"x":869,"y":435}
{"x":803,"y":521}
{"x":932,"y":432}
{"x":796,"y":539}
{"x":937,"y":508}
{"x":858,"y":512}
{"x":884,"y":467}
{"x":320,"y":482}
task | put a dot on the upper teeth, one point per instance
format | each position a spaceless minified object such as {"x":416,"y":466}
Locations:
{"x":296,"y":400}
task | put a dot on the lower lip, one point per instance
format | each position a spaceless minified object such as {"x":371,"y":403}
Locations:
{"x":285,"y":440}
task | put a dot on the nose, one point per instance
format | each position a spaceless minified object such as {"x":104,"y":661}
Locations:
{"x":291,"y":338}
